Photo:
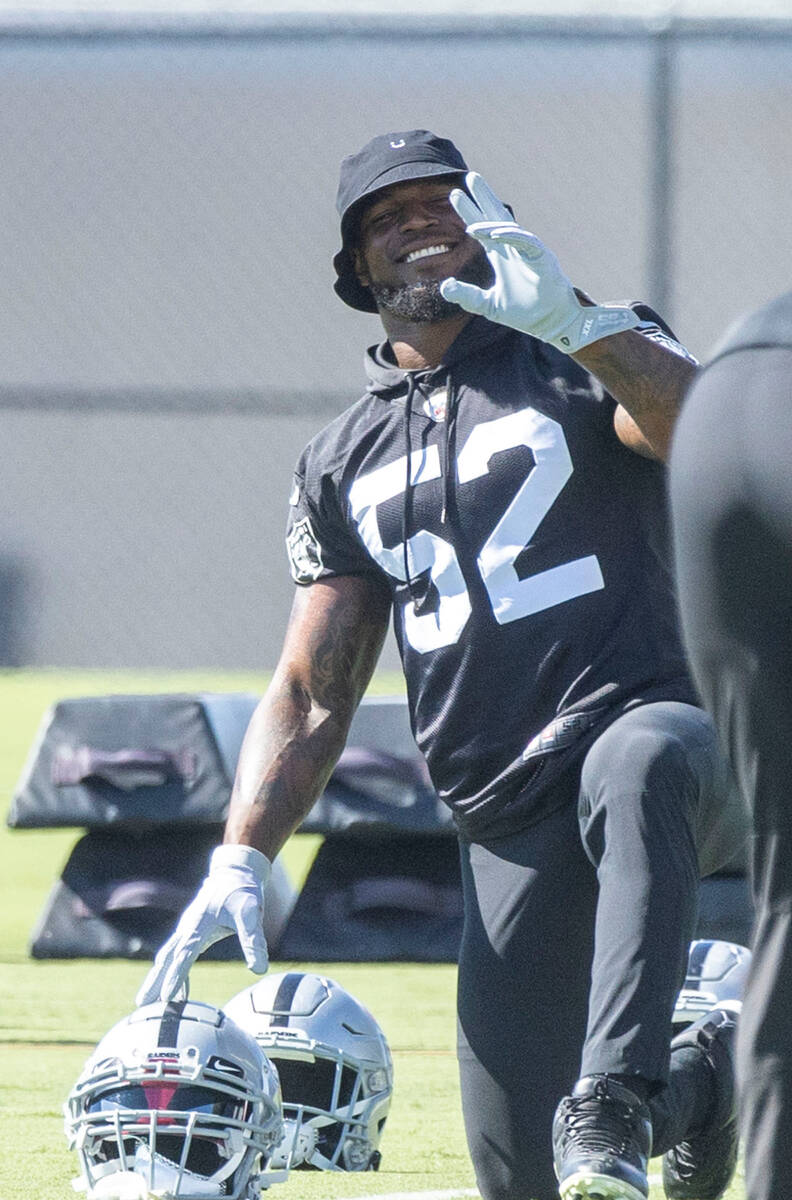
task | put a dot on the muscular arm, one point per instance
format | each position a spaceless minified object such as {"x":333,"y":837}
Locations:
{"x":649,"y":383}
{"x":333,"y":640}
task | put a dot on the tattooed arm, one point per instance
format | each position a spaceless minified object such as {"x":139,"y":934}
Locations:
{"x":649,"y":382}
{"x":335,"y":634}
{"x":334,"y":637}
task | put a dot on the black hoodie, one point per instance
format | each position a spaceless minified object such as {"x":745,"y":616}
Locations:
{"x":526,"y":557}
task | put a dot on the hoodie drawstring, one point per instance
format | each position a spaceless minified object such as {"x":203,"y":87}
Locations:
{"x":412,"y":388}
{"x":446,"y":461}
{"x":447,"y":448}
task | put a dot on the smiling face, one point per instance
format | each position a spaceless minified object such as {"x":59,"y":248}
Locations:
{"x":410,"y":239}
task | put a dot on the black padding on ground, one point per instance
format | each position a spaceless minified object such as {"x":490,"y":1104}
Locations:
{"x":120,"y":894}
{"x":378,"y":899}
{"x":102,"y":761}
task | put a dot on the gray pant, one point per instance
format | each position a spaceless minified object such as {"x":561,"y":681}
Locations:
{"x":576,"y":939}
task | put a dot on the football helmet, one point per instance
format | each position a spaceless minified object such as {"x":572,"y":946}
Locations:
{"x":175,"y":1101}
{"x":335,"y":1069}
{"x":716,"y":973}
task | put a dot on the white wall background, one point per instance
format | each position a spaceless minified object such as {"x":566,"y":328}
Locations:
{"x":169,"y":337}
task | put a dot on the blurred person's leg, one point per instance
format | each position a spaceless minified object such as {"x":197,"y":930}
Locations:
{"x":731,"y":491}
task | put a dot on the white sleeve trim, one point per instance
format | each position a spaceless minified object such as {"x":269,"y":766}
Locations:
{"x":653,"y":331}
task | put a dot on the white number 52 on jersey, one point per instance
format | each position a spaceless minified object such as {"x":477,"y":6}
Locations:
{"x":511,"y":597}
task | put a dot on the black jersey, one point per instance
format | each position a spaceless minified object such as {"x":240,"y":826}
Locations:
{"x":524,"y":547}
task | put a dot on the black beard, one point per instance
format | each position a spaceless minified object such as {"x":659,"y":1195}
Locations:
{"x":420,"y":303}
{"x":423,"y":303}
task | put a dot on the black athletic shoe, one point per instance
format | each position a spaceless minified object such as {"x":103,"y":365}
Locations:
{"x":602,"y":1139}
{"x":701,"y":1167}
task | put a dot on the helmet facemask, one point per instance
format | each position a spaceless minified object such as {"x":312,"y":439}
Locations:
{"x":186,"y":1123}
{"x":337,"y":1124}
{"x":334,"y":1065}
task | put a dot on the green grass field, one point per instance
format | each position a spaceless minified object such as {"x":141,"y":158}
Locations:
{"x":52,"y":1013}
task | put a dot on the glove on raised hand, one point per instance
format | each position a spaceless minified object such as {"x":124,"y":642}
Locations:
{"x":231,"y":898}
{"x":530,"y":291}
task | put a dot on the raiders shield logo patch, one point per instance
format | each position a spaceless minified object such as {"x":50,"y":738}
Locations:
{"x":305,"y":554}
{"x":436,"y":406}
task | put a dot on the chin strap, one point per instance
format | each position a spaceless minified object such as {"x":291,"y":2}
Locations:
{"x":151,"y":1178}
{"x":296,"y":1147}
{"x":120,"y":1185}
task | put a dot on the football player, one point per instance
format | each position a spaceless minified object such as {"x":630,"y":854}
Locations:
{"x":731,"y":491}
{"x":499,"y":490}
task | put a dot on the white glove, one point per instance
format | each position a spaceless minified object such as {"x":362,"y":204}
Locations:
{"x":231,"y":898}
{"x":530,"y":292}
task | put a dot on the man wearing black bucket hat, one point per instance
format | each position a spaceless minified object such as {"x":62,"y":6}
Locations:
{"x":499,"y":489}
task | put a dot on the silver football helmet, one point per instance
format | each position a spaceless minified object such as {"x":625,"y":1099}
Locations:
{"x":716,"y":974}
{"x":175,"y":1101}
{"x":335,"y":1069}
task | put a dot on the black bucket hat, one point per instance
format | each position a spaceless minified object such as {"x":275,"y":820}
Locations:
{"x":385,"y":160}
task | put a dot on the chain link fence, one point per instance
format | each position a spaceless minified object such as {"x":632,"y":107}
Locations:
{"x":170,"y":339}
